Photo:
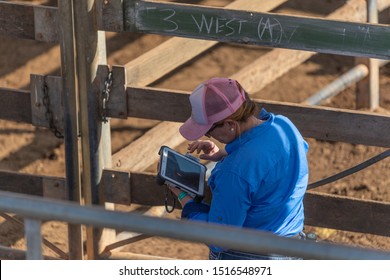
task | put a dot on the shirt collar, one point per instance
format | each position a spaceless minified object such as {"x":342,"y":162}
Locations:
{"x":251,"y":133}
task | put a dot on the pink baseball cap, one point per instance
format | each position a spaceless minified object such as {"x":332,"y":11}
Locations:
{"x":211,"y":102}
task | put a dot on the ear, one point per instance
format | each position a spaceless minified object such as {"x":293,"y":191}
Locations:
{"x":231,"y":123}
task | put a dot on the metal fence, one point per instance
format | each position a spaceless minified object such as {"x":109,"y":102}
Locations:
{"x":35,"y":210}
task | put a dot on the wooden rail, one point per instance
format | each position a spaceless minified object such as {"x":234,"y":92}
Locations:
{"x":28,"y":21}
{"x":47,"y":186}
{"x":170,"y":105}
{"x":15,"y":105}
{"x":316,"y":122}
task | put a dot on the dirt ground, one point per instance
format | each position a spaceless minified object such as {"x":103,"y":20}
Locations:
{"x":34,"y":150}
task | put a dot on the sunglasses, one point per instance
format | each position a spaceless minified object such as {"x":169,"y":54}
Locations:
{"x":212,"y":128}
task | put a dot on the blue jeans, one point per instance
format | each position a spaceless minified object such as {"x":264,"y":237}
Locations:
{"x":237,"y":255}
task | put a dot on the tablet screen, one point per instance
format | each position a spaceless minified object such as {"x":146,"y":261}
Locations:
{"x":183,"y":170}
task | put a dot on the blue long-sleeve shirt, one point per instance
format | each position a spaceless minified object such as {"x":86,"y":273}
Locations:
{"x":261,"y":182}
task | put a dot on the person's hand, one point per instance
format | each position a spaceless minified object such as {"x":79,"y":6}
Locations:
{"x":209,"y":149}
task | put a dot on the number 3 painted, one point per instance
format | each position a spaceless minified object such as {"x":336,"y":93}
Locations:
{"x":171,"y":21}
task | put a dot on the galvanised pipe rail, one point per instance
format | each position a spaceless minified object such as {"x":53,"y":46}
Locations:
{"x":367,"y":94}
{"x":354,"y":75}
{"x":37,"y":208}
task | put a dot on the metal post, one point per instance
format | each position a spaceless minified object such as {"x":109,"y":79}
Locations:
{"x":373,"y":63}
{"x":33,"y":235}
{"x":352,"y":76}
{"x":349,"y":78}
{"x":368,"y":90}
{"x":71,"y":139}
{"x":95,"y":135}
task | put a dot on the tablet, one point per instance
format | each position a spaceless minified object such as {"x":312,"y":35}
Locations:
{"x":183,"y":171}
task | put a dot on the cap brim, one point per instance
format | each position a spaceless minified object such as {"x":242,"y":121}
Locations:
{"x":192,"y":130}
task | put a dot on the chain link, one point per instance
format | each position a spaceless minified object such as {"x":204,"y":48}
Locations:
{"x":106,"y":96}
{"x":49,"y":114}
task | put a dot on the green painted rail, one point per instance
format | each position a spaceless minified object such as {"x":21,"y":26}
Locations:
{"x":264,"y":29}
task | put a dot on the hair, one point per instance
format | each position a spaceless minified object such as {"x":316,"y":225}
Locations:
{"x":247,"y":109}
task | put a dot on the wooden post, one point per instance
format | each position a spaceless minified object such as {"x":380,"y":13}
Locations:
{"x":71,"y":139}
{"x":367,"y":91}
{"x":95,"y":135}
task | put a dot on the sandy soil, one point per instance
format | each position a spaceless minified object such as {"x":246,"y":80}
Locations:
{"x":34,"y":150}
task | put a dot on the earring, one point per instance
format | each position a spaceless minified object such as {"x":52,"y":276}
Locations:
{"x":231,"y":129}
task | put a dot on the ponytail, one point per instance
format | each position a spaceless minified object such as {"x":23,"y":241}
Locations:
{"x":247,"y":109}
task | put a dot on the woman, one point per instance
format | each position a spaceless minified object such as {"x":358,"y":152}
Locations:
{"x":261,"y":175}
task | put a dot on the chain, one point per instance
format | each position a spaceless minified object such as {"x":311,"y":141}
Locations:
{"x":106,"y":96}
{"x":49,"y":114}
